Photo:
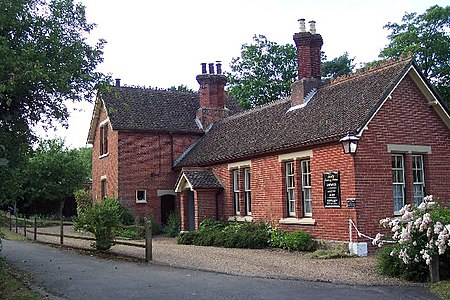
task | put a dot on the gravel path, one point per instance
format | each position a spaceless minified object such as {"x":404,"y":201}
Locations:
{"x":273,"y":263}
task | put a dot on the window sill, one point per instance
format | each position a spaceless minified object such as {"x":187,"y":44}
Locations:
{"x":103,"y":155}
{"x":241,"y":218}
{"x":295,"y":221}
{"x":141,"y":202}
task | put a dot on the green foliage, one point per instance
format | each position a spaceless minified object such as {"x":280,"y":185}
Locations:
{"x":101,"y":220}
{"x":173,"y":225}
{"x":181,"y":88}
{"x":131,"y":233}
{"x":427,"y":37}
{"x":264,"y":72}
{"x":126,"y":218}
{"x":441,"y":289}
{"x":45,"y":60}
{"x":231,"y":235}
{"x":53,"y":173}
{"x":85,"y":156}
{"x":392,"y":266}
{"x":294,"y":241}
{"x":338,"y":66}
{"x":84,"y":201}
{"x":339,"y":251}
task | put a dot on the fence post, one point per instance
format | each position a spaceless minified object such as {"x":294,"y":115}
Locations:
{"x":434,"y":269}
{"x":25,"y":226}
{"x":61,"y":237}
{"x":148,"y":241}
{"x":16,"y":223}
{"x":10,"y":222}
{"x":35,"y":228}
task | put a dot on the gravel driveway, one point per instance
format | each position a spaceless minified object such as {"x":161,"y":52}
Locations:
{"x":272,"y":263}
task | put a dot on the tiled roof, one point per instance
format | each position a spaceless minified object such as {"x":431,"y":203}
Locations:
{"x":338,"y":107}
{"x":202,"y":180}
{"x":155,"y":110}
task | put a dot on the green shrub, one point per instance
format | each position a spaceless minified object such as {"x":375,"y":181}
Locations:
{"x":393,"y":266}
{"x":101,"y":220}
{"x":294,"y":241}
{"x":336,"y":251}
{"x":83,"y":198}
{"x":173,"y":225}
{"x":131,"y":233}
{"x":187,"y":238}
{"x":126,"y":217}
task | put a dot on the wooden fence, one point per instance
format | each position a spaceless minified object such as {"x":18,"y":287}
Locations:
{"x":30,"y":225}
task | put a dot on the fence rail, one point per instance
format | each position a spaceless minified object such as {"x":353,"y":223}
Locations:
{"x":21,"y":223}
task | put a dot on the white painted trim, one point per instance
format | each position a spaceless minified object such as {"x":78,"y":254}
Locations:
{"x":240,"y":219}
{"x":240,"y":164}
{"x":165,"y":192}
{"x":295,"y":155}
{"x":102,"y":123}
{"x":103,"y":177}
{"x":104,"y":155}
{"x":145,"y":196}
{"x":295,"y":221}
{"x":408,"y":149}
{"x":183,"y":184}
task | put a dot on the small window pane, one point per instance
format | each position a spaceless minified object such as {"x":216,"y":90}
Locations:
{"x":141,"y":196}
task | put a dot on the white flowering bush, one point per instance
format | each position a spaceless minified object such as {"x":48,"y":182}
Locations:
{"x":421,"y":233}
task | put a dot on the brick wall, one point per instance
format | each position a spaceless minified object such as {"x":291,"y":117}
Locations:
{"x":145,"y":163}
{"x":107,"y":165}
{"x":405,"y":119}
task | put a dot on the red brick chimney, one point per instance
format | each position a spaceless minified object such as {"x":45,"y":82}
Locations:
{"x":212,"y":95}
{"x":308,"y":45}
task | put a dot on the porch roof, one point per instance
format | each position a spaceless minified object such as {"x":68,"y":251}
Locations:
{"x":195,"y":180}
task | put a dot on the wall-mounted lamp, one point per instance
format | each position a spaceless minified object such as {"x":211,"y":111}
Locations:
{"x":350,"y":143}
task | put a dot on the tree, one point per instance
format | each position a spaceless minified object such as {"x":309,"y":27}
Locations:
{"x":265,"y":71}
{"x":53,"y":173}
{"x":181,"y":88}
{"x":85,"y":154}
{"x":338,"y":66}
{"x":45,"y":60}
{"x":427,"y":37}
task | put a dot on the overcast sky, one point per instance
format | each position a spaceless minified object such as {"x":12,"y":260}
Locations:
{"x":162,"y":43}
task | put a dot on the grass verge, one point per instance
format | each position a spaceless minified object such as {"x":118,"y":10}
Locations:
{"x":441,"y":289}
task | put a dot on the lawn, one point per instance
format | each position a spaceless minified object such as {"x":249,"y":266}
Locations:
{"x":441,"y":289}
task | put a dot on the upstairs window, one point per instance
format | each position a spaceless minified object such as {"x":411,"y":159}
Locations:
{"x":398,"y":181}
{"x":247,"y":192}
{"x":236,"y":191}
{"x":418,"y":179}
{"x":104,"y":139}
{"x":290,"y":188}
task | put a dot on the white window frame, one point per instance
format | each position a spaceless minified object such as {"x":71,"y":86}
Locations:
{"x":235,"y":174}
{"x":306,"y":186}
{"x":420,"y":182}
{"x":141,"y":200}
{"x":290,"y":190}
{"x":247,"y":192}
{"x":396,"y":182}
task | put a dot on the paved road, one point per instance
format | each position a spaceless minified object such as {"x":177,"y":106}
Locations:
{"x":70,"y":275}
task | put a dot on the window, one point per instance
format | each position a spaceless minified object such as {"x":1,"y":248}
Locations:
{"x":103,"y":188}
{"x":104,"y":139}
{"x":247,"y":192}
{"x":236,"y":191}
{"x":141,"y":196}
{"x":398,"y":181}
{"x":290,"y":187}
{"x":306,"y":188}
{"x":418,"y":179}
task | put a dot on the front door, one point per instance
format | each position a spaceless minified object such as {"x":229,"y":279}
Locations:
{"x":167,"y":207}
{"x":191,"y":212}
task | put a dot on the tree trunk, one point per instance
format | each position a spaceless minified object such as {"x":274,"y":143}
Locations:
{"x":434,"y":269}
{"x":61,"y":207}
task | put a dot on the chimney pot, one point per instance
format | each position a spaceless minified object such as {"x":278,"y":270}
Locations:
{"x":211,"y":68}
{"x":203,"y":68}
{"x":312,"y":27}
{"x":117,"y":82}
{"x":302,"y":25}
{"x":219,"y":67}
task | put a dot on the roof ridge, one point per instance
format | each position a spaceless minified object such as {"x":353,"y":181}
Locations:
{"x":375,"y":67}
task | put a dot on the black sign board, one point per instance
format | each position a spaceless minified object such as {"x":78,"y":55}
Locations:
{"x":331,"y":189}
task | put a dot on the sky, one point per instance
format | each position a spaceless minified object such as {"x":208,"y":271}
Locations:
{"x":162,"y":43}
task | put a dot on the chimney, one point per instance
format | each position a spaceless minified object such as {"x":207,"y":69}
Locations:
{"x":308,"y":45}
{"x":212,"y":95}
{"x":117,"y":82}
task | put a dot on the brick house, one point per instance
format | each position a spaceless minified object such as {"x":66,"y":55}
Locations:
{"x":284,"y":162}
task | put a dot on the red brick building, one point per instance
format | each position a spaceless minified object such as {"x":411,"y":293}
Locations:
{"x":284,"y":162}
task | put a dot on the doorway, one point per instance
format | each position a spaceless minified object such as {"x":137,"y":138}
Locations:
{"x":167,"y":207}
